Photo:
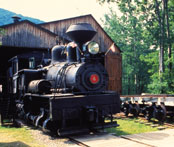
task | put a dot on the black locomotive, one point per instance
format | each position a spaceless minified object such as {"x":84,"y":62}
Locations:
{"x":67,"y":93}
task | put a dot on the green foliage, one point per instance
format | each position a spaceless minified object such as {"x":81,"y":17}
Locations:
{"x":103,"y":1}
{"x":129,"y":126}
{"x":127,"y":32}
{"x":2,"y":32}
{"x":141,"y":32}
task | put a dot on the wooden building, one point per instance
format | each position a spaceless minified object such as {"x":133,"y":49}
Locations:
{"x":25,"y":36}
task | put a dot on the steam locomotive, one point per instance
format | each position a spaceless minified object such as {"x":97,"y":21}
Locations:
{"x":68,"y":93}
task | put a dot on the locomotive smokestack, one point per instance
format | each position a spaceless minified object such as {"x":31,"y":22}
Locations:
{"x":81,"y":33}
{"x":16,"y":19}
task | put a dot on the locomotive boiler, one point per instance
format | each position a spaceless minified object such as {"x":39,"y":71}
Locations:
{"x":68,"y":94}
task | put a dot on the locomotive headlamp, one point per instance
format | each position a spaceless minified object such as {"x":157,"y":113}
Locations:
{"x":92,"y":47}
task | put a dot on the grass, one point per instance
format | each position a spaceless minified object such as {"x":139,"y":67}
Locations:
{"x":129,"y":126}
{"x":21,"y":137}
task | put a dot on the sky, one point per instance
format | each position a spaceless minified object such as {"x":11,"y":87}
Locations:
{"x":51,"y":10}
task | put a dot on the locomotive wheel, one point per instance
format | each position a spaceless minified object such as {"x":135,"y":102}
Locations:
{"x":148,"y":112}
{"x":160,"y":114}
{"x":135,"y":110}
{"x":143,"y":111}
{"x":126,"y":111}
{"x":126,"y":108}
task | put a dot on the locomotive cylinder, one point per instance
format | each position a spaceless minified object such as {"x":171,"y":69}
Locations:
{"x":39,"y":86}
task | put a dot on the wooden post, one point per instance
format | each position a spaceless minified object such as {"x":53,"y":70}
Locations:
{"x":1,"y":119}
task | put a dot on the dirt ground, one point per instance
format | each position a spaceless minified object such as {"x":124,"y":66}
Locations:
{"x":50,"y":141}
{"x":29,"y":136}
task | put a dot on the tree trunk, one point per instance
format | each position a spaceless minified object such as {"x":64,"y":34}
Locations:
{"x":169,"y":44}
{"x":129,"y":85}
{"x":161,"y":36}
{"x":168,"y":37}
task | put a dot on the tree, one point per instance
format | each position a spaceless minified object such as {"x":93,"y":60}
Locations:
{"x":127,"y":32}
{"x":145,"y":39}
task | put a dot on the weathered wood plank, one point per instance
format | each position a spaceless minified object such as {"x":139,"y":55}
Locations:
{"x":113,"y":65}
{"x":60,"y":27}
{"x":26,"y":34}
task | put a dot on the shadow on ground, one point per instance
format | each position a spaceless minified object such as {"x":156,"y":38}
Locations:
{"x":13,"y":144}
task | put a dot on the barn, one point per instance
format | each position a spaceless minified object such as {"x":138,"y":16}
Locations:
{"x":25,"y":36}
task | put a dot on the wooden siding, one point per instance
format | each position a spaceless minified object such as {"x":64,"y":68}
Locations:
{"x":60,"y":27}
{"x":26,"y":34}
{"x":113,"y":65}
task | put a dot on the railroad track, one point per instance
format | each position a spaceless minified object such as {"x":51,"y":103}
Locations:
{"x":171,"y":126}
{"x":155,"y":123}
{"x":107,"y":139}
{"x":99,"y":138}
{"x":77,"y":142}
{"x":110,"y":138}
